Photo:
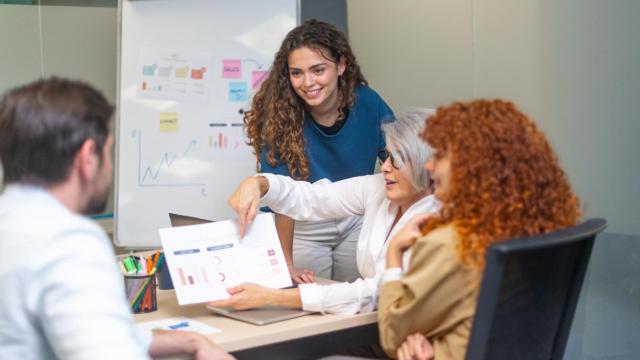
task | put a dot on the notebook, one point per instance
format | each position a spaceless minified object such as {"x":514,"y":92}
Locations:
{"x":260,"y":316}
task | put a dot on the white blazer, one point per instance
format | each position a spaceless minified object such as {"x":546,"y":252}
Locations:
{"x":363,"y":195}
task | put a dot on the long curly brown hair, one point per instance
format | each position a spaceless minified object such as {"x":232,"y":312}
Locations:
{"x":275,"y":121}
{"x":505,"y":179}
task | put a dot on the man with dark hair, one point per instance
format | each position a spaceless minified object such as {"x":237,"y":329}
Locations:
{"x":62,"y":293}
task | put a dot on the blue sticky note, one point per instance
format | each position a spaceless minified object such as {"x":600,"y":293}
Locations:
{"x":149,"y":70}
{"x":238,"y":91}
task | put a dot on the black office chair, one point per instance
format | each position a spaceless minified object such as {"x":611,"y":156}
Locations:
{"x":529,"y":293}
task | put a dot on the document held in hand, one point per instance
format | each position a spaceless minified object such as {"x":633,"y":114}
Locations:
{"x":206,"y":259}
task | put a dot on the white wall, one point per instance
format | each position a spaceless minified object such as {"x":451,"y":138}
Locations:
{"x":77,"y":42}
{"x":571,"y":65}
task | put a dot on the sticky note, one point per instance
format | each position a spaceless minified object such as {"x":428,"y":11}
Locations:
{"x":231,"y":69}
{"x":169,"y":122}
{"x":238,"y":91}
{"x":257,"y":78}
{"x":165,"y":71}
{"x":149,"y":70}
{"x":198,"y":74}
{"x":182,"y":72}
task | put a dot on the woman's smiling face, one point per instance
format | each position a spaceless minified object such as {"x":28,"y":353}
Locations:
{"x":314,"y":78}
{"x":398,"y":185}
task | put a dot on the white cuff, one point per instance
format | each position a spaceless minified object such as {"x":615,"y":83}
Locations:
{"x":145,"y":337}
{"x":311,"y":297}
{"x":274,"y":188}
{"x":391,"y":274}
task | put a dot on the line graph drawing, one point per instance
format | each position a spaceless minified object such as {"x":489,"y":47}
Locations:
{"x":148,"y":175}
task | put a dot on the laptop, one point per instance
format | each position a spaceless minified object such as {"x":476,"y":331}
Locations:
{"x":183,"y":220}
{"x":260,"y":316}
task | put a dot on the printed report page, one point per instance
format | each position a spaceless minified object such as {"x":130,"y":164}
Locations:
{"x":206,"y":259}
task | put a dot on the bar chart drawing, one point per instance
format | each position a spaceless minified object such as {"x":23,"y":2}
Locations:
{"x":227,"y":136}
{"x":225,"y":141}
{"x":219,"y":141}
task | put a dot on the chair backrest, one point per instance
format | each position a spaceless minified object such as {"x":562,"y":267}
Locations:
{"x":529,"y":292}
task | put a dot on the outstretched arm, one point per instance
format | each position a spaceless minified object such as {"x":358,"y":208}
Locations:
{"x":302,"y":200}
{"x":245,"y":201}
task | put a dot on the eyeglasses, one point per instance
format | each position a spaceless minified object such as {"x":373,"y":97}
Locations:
{"x":386,"y":154}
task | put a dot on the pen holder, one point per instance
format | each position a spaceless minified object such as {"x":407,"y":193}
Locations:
{"x":163,"y":276}
{"x":141,"y":293}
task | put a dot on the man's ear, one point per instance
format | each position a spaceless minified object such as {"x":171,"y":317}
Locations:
{"x":87,"y":162}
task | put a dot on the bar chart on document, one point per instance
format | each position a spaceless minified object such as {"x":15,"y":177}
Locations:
{"x":209,"y":266}
{"x":206,"y":259}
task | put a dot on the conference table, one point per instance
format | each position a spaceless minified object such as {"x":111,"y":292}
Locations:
{"x":307,"y":337}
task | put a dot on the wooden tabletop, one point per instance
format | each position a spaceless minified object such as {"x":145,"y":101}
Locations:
{"x":237,"y":335}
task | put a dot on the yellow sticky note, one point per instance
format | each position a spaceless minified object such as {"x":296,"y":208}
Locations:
{"x":169,"y":121}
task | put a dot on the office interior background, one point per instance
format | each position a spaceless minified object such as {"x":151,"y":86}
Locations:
{"x":571,"y":65}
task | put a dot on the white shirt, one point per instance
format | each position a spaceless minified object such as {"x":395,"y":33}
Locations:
{"x":62,"y":295}
{"x":363,"y":195}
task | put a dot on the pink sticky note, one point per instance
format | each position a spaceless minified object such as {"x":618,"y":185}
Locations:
{"x":231,"y":69}
{"x":257,"y":78}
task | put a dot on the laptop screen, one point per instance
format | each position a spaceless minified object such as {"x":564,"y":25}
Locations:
{"x":184,"y":220}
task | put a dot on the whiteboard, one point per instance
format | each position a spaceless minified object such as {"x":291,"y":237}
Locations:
{"x":186,"y":70}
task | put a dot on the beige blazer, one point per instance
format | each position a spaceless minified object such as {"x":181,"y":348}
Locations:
{"x":436,"y":297}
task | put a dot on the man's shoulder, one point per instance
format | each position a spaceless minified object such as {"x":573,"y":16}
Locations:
{"x":44,"y":223}
{"x":43,"y":218}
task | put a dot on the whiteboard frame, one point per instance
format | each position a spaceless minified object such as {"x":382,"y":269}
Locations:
{"x":117,"y":124}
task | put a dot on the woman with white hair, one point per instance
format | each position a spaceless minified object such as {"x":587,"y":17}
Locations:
{"x":386,"y":201}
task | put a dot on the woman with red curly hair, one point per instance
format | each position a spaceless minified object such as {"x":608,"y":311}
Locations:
{"x":497,"y":178}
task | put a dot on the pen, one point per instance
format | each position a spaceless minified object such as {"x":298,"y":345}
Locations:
{"x":179,"y":325}
{"x":155,"y":260}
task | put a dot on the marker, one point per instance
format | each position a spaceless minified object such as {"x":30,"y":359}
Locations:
{"x":160,"y":260}
{"x":129,"y":265}
{"x":138,"y":265}
{"x":122,"y":268}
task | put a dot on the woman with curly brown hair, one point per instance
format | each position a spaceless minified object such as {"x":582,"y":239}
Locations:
{"x":497,"y":178}
{"x":315,"y":118}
